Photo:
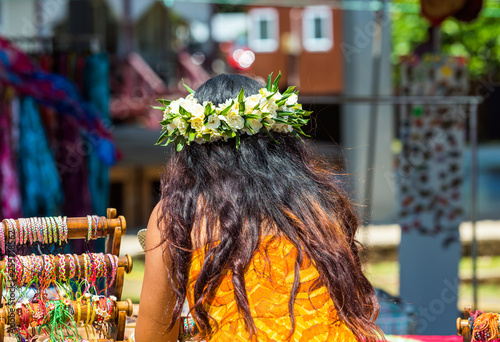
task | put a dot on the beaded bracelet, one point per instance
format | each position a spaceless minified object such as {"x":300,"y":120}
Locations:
{"x":2,"y":236}
{"x":36,"y":230}
{"x":27,"y":234}
{"x":72,"y":266}
{"x":55,"y":228}
{"x":113,"y":260}
{"x":38,"y":267}
{"x":79,"y":272}
{"x":59,"y":230}
{"x":89,"y":231}
{"x":45,"y":230}
{"x":12,"y":228}
{"x":19,"y":270}
{"x":187,"y":329}
{"x":86,"y":266}
{"x":25,"y":231}
{"x":96,"y":225}
{"x":27,"y":269}
{"x":48,"y":233}
{"x":102,"y":270}
{"x":7,"y":267}
{"x":31,"y":230}
{"x":62,"y":267}
{"x":19,"y":231}
{"x":47,"y":272}
{"x":65,"y":229}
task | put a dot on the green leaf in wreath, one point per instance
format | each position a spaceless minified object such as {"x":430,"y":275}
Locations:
{"x":184,"y":112}
{"x":164,"y":102}
{"x":269,"y":82}
{"x":191,"y":91}
{"x":179,"y":143}
{"x":275,"y":83}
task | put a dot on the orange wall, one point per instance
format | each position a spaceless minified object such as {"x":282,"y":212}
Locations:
{"x":320,"y":73}
{"x":268,"y":62}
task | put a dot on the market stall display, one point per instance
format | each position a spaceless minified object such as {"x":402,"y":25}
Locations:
{"x":63,"y":296}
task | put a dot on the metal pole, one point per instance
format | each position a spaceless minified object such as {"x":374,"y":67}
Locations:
{"x":473,"y":190}
{"x":129,"y":44}
{"x":372,"y":130}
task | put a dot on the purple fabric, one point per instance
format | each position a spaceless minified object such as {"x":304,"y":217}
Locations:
{"x":10,"y":195}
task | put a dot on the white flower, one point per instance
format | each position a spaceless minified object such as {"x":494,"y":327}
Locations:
{"x":166,"y":112}
{"x":197,"y":111}
{"x":223,"y":106}
{"x":282,"y":128}
{"x":113,"y":298}
{"x":255,"y":124}
{"x":213,"y":122}
{"x":180,"y":124}
{"x":268,"y":106}
{"x":251,"y":102}
{"x":197,"y":123}
{"x":265,"y":93}
{"x":234,"y":120}
{"x":174,"y":106}
{"x":87,"y":295}
{"x":292,"y":100}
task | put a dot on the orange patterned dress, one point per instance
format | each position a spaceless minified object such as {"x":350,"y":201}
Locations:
{"x":268,"y":283}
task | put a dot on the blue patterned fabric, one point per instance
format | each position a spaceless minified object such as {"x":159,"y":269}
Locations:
{"x":41,"y":190}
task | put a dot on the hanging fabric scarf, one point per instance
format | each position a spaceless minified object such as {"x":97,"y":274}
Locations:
{"x":96,"y":84}
{"x":41,"y":187}
{"x":10,"y":197}
{"x":55,"y":91}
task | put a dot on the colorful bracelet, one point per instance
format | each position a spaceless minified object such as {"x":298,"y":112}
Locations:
{"x":2,"y":236}
{"x":62,"y":267}
{"x":19,"y":232}
{"x":72,"y":266}
{"x":31,"y":229}
{"x":77,"y":261}
{"x":89,"y":231}
{"x":65,"y":229}
{"x":96,"y":225}
{"x":12,"y":230}
{"x":45,"y":230}
{"x":54,"y":230}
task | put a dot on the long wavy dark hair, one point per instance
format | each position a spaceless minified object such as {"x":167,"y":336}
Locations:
{"x":216,"y":193}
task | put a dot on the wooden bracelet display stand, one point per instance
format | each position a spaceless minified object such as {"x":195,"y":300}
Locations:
{"x":463,"y":325}
{"x":112,"y":228}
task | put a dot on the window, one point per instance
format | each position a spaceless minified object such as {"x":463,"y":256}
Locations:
{"x":263,"y":30}
{"x":317,"y":27}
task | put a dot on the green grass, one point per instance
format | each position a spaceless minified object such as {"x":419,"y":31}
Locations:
{"x":385,"y":275}
{"x":133,"y":282}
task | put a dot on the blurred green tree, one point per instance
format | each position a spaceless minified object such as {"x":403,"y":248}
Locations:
{"x":478,"y":40}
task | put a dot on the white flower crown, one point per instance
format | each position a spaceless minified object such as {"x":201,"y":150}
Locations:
{"x":185,"y":120}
